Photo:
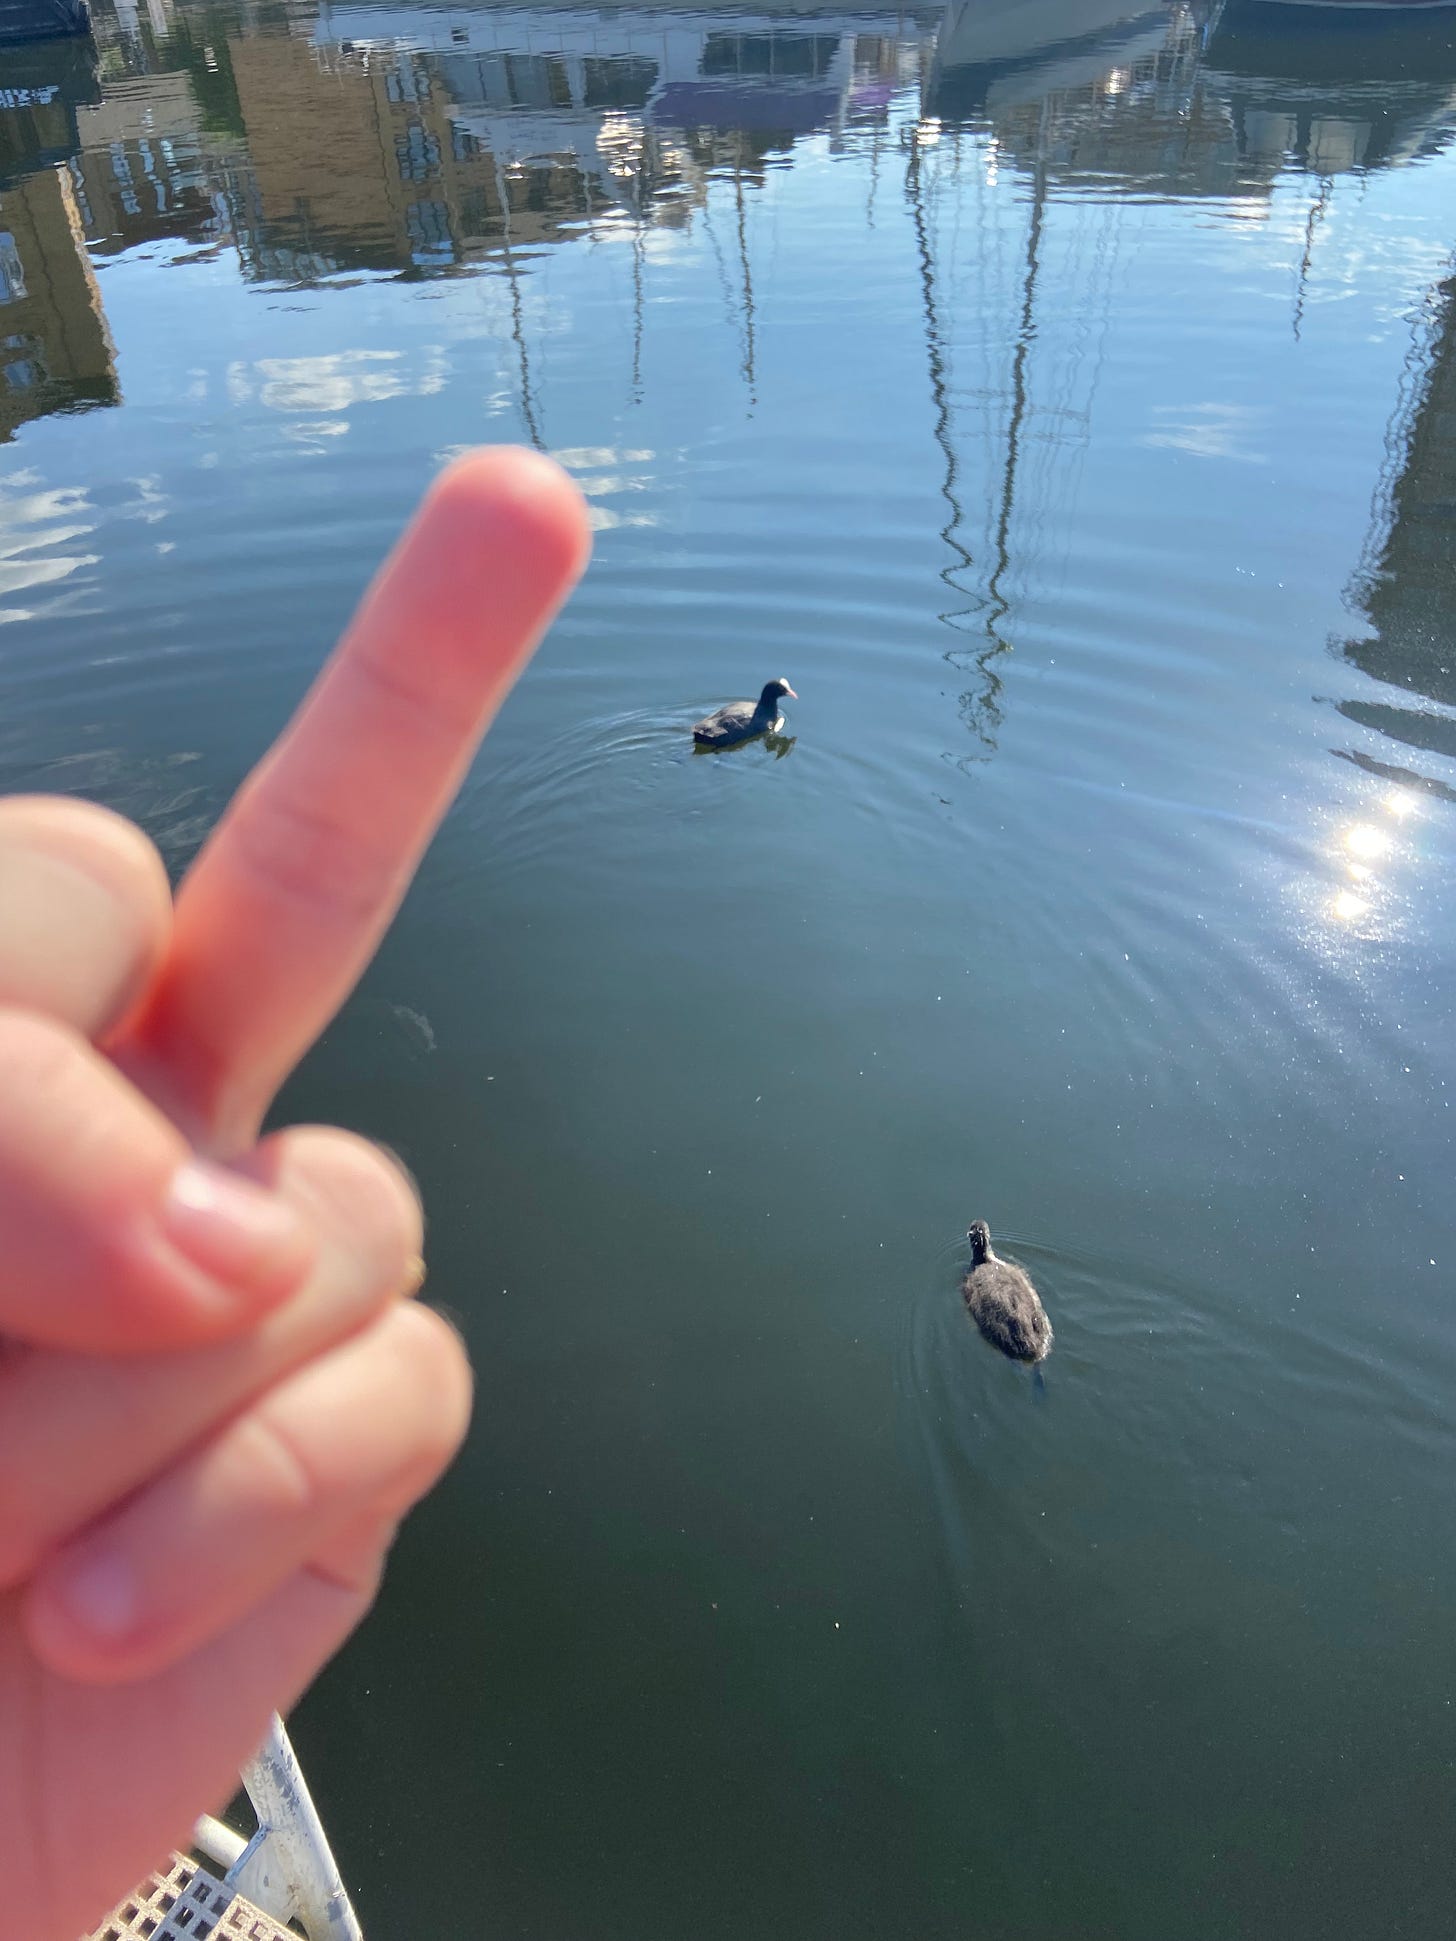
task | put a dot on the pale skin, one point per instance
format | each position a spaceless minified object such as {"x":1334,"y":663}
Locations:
{"x":216,"y":1398}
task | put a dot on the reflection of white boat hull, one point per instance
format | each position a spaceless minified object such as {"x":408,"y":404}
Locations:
{"x":673,"y":37}
{"x":529,"y":82}
{"x":989,"y":59}
{"x":577,"y":25}
{"x":984,"y":32}
{"x":1336,"y":87}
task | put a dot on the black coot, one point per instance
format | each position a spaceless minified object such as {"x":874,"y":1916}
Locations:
{"x":1003,"y":1303}
{"x":743,"y":720}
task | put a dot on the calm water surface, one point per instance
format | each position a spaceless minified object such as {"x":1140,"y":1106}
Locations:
{"x":1064,"y":399}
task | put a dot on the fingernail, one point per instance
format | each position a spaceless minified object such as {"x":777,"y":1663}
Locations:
{"x":97,"y":1592}
{"x":414,"y":1277}
{"x":239,"y":1234}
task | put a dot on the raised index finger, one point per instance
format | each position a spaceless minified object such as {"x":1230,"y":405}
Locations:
{"x":293,"y":890}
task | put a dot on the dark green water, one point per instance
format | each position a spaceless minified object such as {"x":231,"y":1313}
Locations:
{"x":1064,"y":399}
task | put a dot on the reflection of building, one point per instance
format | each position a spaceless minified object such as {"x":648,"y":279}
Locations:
{"x":55,"y":352}
{"x":555,"y":70}
{"x":143,"y":171}
{"x":1331,"y":89}
{"x":407,"y":141}
{"x":42,"y":84}
{"x":159,"y":16}
{"x":1409,"y":596}
{"x":89,"y":176}
{"x":1120,"y":103}
{"x":419,"y":143}
{"x":326,"y":187}
{"x":1186,"y":97}
{"x":383,"y":158}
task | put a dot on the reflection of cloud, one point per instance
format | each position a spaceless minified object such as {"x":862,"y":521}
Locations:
{"x":1205,"y":430}
{"x":33,"y":520}
{"x":590,"y":458}
{"x":308,"y":430}
{"x":151,"y":504}
{"x":335,"y":381}
{"x":603,"y":519}
{"x":603,"y":472}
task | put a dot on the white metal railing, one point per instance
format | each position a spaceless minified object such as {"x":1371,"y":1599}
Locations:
{"x":286,"y":1868}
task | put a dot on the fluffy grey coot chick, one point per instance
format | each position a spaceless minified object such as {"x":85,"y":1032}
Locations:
{"x":1003,"y":1303}
{"x":739,"y":721}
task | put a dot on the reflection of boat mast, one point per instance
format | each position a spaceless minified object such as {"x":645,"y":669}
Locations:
{"x":1317,"y":211}
{"x":935,"y":360}
{"x":982,"y":710}
{"x":518,"y":330}
{"x":748,"y":352}
{"x":730,"y":308}
{"x":638,"y":251}
{"x":1026,"y":331}
{"x":641,"y":188}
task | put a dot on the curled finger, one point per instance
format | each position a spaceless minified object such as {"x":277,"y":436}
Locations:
{"x":234,"y":1682}
{"x":78,"y":1433}
{"x":117,"y":1239}
{"x":365,"y":1430}
{"x":85,"y":911}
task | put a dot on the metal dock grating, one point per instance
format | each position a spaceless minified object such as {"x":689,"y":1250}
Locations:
{"x":187,"y":1903}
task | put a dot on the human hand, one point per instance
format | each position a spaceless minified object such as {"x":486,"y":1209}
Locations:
{"x":214,"y":1403}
